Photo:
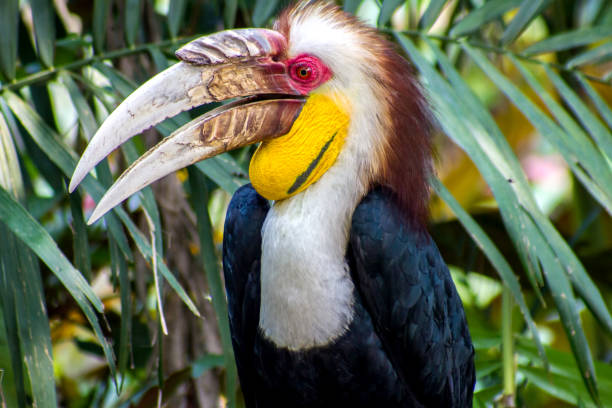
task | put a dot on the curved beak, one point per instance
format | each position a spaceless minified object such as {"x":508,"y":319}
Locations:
{"x":230,"y":64}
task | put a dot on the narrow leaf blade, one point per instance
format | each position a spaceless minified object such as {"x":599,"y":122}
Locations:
{"x":528,"y":11}
{"x":600,"y":134}
{"x":229,"y":13}
{"x":570,"y":39}
{"x":100,"y":17}
{"x":431,"y":14}
{"x":351,"y":6}
{"x":495,"y":257}
{"x":38,"y":239}
{"x":32,"y":234}
{"x":175,"y":16}
{"x":597,"y":55}
{"x":386,"y":11}
{"x":80,"y":243}
{"x":9,"y":18}
{"x":602,"y":106}
{"x":489,"y":11}
{"x":44,"y":30}
{"x":263,"y":11}
{"x":132,"y":21}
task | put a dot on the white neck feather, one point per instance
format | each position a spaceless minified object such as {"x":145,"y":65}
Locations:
{"x":307,"y":293}
{"x":306,"y":288}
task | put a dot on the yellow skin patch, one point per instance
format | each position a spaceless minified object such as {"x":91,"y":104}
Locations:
{"x":286,"y":165}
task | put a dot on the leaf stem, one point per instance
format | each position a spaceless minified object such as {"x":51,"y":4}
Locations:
{"x":122,"y":52}
{"x":499,"y":50}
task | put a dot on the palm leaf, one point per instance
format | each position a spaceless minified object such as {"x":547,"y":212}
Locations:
{"x":491,"y":55}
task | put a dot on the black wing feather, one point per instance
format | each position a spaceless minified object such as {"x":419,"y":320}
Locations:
{"x":412,"y":300}
{"x":241,"y":259}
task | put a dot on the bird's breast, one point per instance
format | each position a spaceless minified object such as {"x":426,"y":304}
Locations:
{"x":306,"y":289}
{"x":307,"y":294}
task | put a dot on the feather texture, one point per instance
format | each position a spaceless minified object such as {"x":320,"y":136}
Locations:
{"x":407,"y":345}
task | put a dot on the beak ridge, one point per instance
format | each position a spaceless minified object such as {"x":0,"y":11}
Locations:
{"x":233,"y":45}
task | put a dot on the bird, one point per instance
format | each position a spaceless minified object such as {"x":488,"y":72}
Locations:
{"x":337,"y":295}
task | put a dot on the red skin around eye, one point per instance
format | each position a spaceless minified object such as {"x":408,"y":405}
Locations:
{"x":319,"y":73}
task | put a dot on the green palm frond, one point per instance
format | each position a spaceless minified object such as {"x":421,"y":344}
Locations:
{"x":61,"y":74}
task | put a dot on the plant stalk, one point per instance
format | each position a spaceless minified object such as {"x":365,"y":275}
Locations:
{"x":509,"y":368}
{"x":499,"y":50}
{"x":47,"y":73}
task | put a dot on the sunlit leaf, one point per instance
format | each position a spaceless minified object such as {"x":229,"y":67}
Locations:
{"x":85,"y":115}
{"x":597,"y":55}
{"x":476,"y":19}
{"x":586,"y":12}
{"x":572,"y":142}
{"x":219,"y":174}
{"x":528,"y":11}
{"x":570,"y":39}
{"x":455,"y":118}
{"x":431,"y":13}
{"x":10,"y":173}
{"x":588,"y":291}
{"x":386,"y":11}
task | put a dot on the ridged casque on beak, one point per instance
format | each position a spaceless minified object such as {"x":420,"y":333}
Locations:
{"x":230,"y":64}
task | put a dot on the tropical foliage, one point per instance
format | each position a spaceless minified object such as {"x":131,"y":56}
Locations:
{"x":131,"y":311}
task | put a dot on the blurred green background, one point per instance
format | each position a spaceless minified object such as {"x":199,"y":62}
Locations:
{"x":130,"y":312}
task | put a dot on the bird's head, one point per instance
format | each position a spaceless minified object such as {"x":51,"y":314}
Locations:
{"x":320,"y":89}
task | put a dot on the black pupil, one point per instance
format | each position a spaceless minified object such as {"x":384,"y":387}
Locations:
{"x":303,"y":72}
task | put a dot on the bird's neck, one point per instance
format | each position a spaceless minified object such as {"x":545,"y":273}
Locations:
{"x":306,"y":290}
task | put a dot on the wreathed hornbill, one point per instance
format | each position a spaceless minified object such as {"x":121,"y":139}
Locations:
{"x":337,"y":295}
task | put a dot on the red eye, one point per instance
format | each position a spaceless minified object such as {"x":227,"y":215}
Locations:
{"x":303,"y":71}
{"x":307,"y":72}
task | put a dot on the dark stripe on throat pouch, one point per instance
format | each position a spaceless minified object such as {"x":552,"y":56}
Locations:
{"x":301,"y":179}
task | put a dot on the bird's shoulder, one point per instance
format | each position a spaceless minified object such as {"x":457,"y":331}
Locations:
{"x":408,"y":291}
{"x":245,"y":215}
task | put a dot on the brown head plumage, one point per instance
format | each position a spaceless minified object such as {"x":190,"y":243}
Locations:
{"x":381,"y":88}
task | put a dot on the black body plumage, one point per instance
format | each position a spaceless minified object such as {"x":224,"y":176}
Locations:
{"x":407,"y":346}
